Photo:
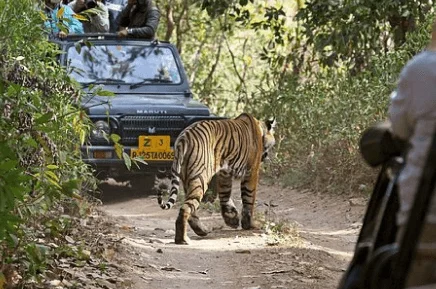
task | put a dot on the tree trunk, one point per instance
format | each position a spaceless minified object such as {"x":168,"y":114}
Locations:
{"x":170,"y":21}
{"x":400,"y":26}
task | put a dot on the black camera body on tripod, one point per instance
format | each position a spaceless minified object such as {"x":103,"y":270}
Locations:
{"x":89,"y":4}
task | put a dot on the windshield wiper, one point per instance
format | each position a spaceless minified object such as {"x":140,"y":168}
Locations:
{"x":87,"y":84}
{"x":148,"y":81}
{"x":103,"y":81}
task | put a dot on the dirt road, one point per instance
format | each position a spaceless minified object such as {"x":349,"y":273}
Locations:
{"x":310,"y":248}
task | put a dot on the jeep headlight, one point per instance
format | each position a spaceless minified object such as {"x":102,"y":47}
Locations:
{"x":101,"y":130}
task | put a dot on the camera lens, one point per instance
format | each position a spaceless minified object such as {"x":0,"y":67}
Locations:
{"x":91,"y":4}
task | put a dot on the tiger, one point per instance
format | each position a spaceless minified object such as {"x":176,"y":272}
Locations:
{"x":225,"y":148}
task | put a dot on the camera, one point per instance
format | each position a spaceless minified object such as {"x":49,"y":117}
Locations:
{"x":90,"y":4}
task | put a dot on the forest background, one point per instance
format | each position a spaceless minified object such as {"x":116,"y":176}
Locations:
{"x":324,"y":69}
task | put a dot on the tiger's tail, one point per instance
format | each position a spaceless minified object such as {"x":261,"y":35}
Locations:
{"x":175,"y":178}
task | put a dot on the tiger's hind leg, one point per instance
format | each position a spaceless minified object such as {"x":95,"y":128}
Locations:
{"x":224,"y":189}
{"x":188,"y":213}
{"x":248,"y":196}
{"x":197,"y":226}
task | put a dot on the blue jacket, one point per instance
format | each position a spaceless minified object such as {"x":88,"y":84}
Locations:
{"x":74,"y":26}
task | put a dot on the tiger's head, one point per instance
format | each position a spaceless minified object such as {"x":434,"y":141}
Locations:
{"x":268,"y":139}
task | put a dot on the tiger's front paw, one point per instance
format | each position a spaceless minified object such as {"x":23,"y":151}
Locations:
{"x":230,"y":216}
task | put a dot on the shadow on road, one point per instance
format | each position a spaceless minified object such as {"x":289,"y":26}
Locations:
{"x":111,"y":192}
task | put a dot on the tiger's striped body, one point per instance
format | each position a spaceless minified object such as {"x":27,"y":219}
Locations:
{"x":228,"y":148}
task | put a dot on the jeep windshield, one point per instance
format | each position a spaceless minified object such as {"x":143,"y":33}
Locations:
{"x":128,"y":64}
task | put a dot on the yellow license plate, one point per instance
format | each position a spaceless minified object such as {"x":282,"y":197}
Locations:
{"x":153,"y":148}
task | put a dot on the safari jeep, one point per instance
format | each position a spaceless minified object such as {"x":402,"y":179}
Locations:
{"x":152,"y":101}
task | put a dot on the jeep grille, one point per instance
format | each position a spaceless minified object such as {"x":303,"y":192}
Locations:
{"x":134,"y":126}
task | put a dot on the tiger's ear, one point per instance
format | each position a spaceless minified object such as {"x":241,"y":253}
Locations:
{"x":271,"y":123}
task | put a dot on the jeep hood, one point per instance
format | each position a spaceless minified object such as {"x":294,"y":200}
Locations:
{"x":131,"y":104}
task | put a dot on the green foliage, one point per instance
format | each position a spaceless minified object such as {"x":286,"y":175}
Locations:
{"x":231,"y":58}
{"x":41,"y":128}
{"x":324,"y":69}
{"x":321,"y":120}
{"x":325,"y":74}
{"x":350,"y":32}
{"x":277,"y":230}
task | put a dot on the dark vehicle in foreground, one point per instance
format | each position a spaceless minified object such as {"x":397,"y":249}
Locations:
{"x":152,"y":101}
{"x":380,"y":260}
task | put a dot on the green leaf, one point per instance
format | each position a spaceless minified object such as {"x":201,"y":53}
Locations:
{"x":54,"y":183}
{"x":80,"y":17}
{"x":44,"y":118}
{"x":52,"y":167}
{"x":115,"y":138}
{"x":44,"y":18}
{"x":62,"y":27}
{"x":52,"y":176}
{"x":78,"y":46}
{"x":17,"y":191}
{"x":88,"y":44}
{"x":14,"y":240}
{"x":127,"y":160}
{"x":118,"y":150}
{"x":60,"y":12}
{"x":3,"y":197}
{"x":140,"y":160}
{"x":103,"y":92}
{"x":13,"y":89}
{"x":69,"y":186}
{"x":31,"y":142}
{"x":82,"y":136}
{"x":8,"y":165}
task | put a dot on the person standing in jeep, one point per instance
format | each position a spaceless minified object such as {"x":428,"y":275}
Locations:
{"x":115,"y":7}
{"x":98,"y":21}
{"x":139,"y":19}
{"x":56,"y":19}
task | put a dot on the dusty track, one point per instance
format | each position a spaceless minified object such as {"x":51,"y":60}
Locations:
{"x":325,"y":229}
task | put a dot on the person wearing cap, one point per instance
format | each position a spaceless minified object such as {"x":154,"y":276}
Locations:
{"x":412,"y":113}
{"x":139,"y":19}
{"x":54,"y":24}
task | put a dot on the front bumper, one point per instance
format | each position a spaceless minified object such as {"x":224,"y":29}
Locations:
{"x":107,"y":164}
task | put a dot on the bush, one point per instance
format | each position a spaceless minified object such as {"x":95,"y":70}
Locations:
{"x":320,"y":120}
{"x":41,"y":128}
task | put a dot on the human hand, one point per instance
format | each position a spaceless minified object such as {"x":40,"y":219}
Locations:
{"x":62,"y":35}
{"x":123,"y":33}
